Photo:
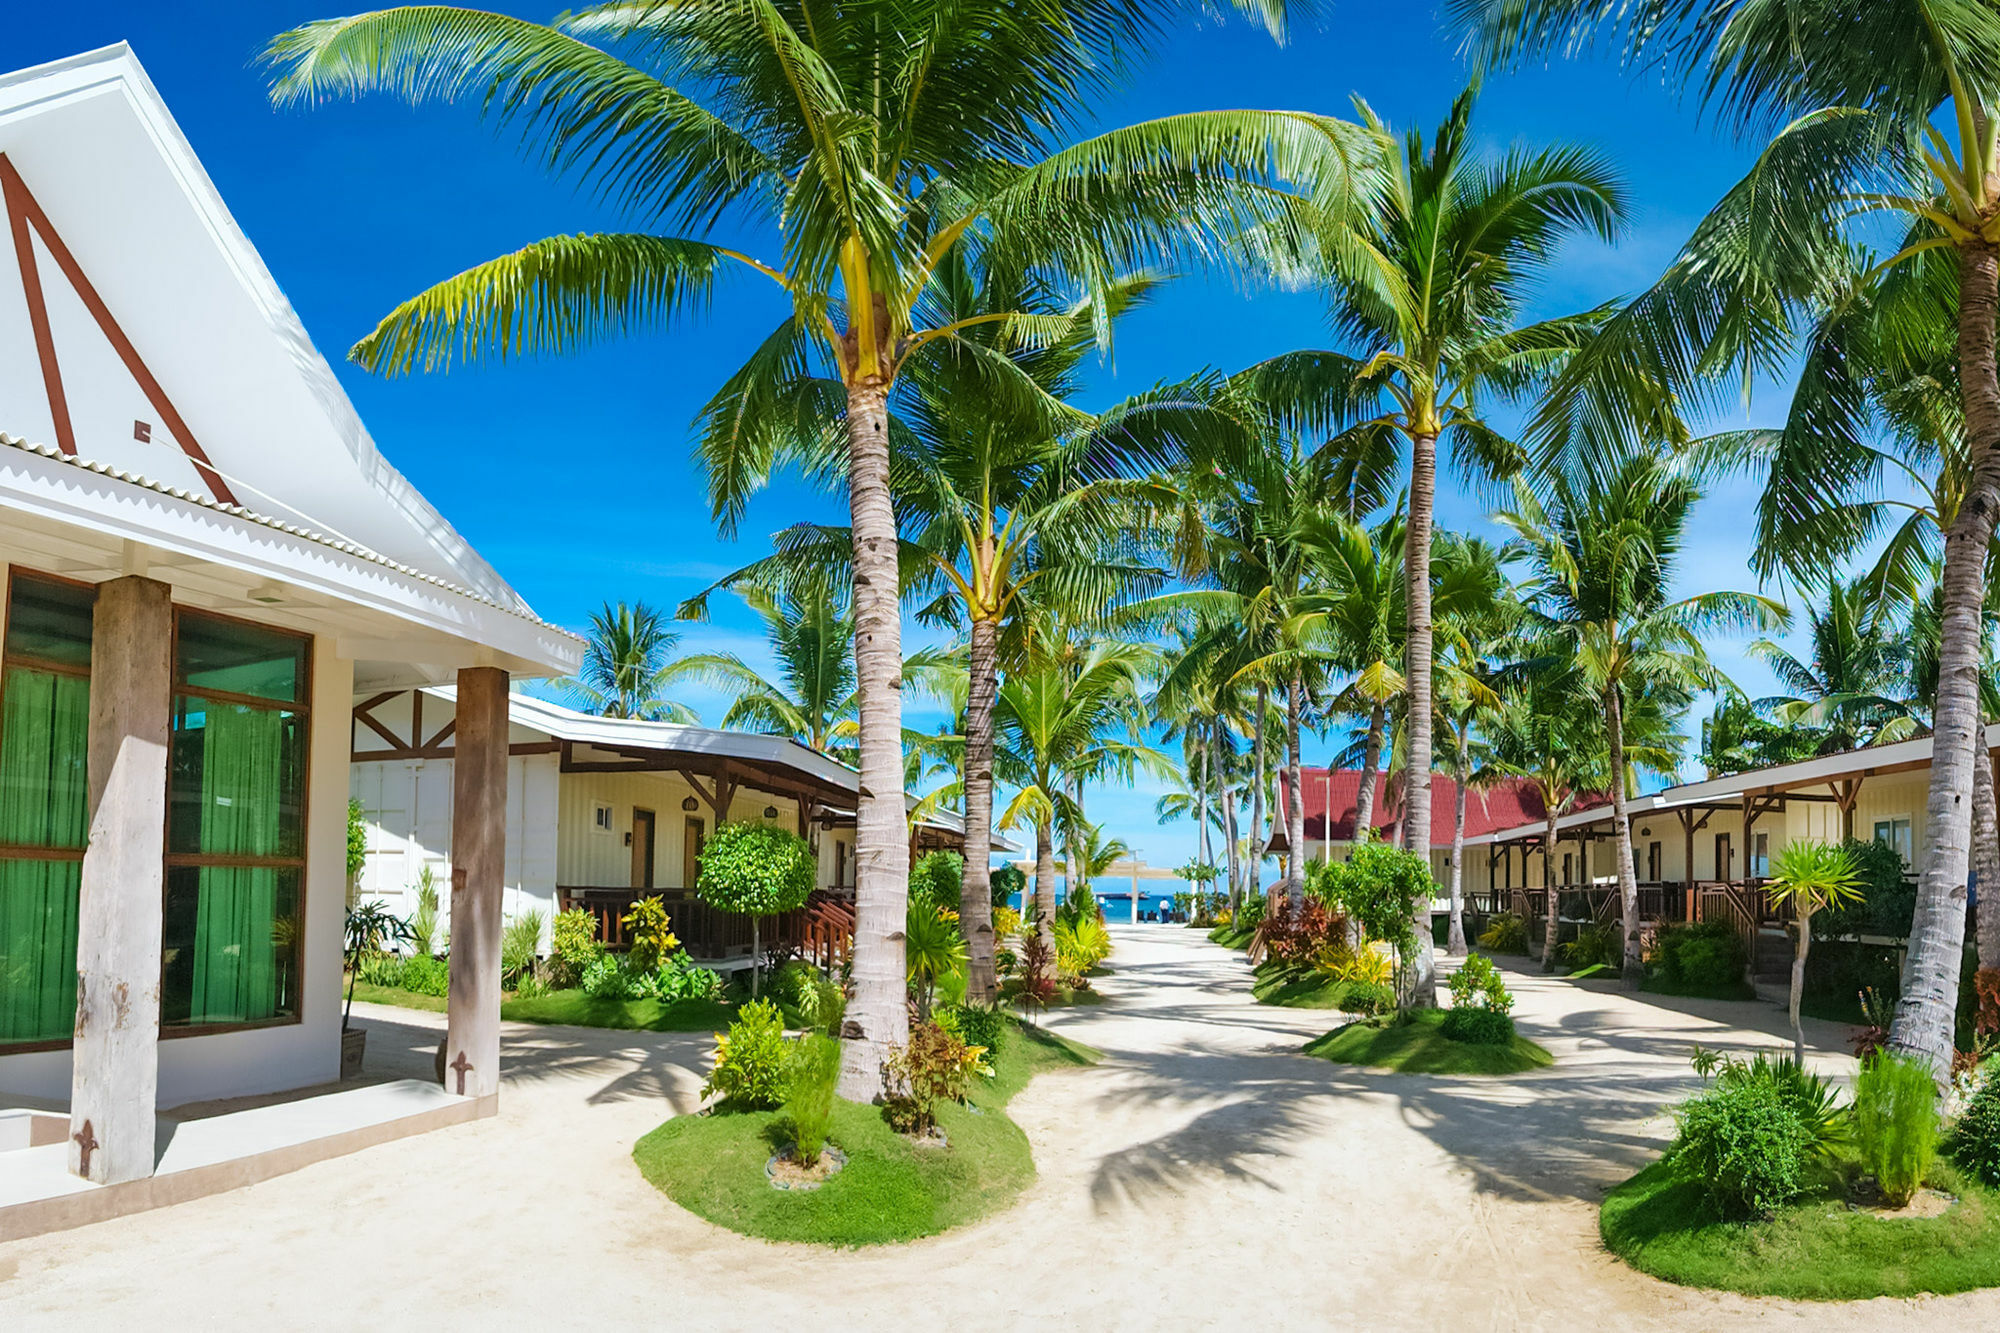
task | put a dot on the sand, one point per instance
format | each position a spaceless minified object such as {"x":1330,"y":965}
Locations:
{"x":1205,"y":1176}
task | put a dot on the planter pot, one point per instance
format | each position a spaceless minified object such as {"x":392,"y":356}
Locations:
{"x":353,"y":1045}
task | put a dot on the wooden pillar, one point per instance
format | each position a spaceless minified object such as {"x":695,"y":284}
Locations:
{"x":478,"y":868}
{"x":114,"y":1081}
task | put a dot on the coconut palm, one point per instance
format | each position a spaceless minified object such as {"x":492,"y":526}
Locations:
{"x":1479,"y":612}
{"x":856,"y":150}
{"x":1883,"y":111}
{"x":1601,"y":548}
{"x":628,"y":664}
{"x":1847,"y":685}
{"x":1433,"y":302}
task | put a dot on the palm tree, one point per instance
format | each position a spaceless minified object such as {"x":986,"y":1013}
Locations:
{"x":1432,"y":299}
{"x":1601,"y":548}
{"x":628,"y":664}
{"x":1846,"y":687}
{"x":1547,"y":733}
{"x":1885,"y":111}
{"x":1096,"y":853}
{"x":858,"y":150}
{"x":1473,"y":588}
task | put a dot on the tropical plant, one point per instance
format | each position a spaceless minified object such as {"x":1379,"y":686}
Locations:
{"x":1846,"y":687}
{"x":935,"y":881}
{"x":1736,"y":739}
{"x":521,"y":947}
{"x":758,"y":870}
{"x":751,"y":1059}
{"x":1505,"y":933}
{"x":1896,"y":1123}
{"x":424,"y":924}
{"x":1746,"y":1145}
{"x":1883,"y":112}
{"x":649,"y":934}
{"x":357,"y":841}
{"x":811,"y":1076}
{"x":1810,"y":876}
{"x":1474,"y":611}
{"x":833,"y":138}
{"x":1081,"y":944}
{"x":1974,"y":1141}
{"x":573,"y":946}
{"x":371,"y":926}
{"x":628,"y":666}
{"x":1602,"y":546}
{"x":934,"y":949}
{"x":936,"y":1066}
{"x":1382,"y":889}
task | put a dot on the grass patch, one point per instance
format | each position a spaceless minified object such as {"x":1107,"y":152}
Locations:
{"x":1734,"y":990}
{"x":1662,"y":1224}
{"x":369,"y":993}
{"x":890,"y":1190}
{"x":1418,"y":1047}
{"x":1305,"y":988}
{"x":1233,"y":937}
{"x":574,"y":1008}
{"x":1064,"y":997}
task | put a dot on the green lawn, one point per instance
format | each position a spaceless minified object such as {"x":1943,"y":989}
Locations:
{"x":1303,"y":989}
{"x":1233,"y":937}
{"x":890,"y":1190}
{"x":1418,"y":1047}
{"x":576,"y":1009}
{"x":1817,"y":1250}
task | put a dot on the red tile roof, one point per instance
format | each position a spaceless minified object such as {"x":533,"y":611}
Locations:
{"x":1508,"y":804}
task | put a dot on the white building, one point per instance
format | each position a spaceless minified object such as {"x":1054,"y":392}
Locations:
{"x":206,"y":559}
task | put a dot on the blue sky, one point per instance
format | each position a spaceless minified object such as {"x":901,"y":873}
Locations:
{"x":575,"y":477}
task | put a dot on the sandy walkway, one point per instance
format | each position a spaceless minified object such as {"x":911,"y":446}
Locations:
{"x":1205,"y":1176}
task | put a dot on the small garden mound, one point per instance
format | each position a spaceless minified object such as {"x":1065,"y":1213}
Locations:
{"x":1417,"y":1043}
{"x":894,"y":1187}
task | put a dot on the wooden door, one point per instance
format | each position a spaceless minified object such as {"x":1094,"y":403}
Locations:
{"x":693,"y":836}
{"x":644,"y":841}
{"x":1724,"y":858}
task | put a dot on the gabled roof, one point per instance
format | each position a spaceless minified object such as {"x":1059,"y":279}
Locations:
{"x":140,"y":331}
{"x":1508,"y":802}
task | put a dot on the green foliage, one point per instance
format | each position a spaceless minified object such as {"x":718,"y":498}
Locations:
{"x":371,"y":926}
{"x":573,"y":947}
{"x":1813,"y":1099}
{"x":606,"y":977}
{"x":1896,"y":1123}
{"x":1478,"y":1026}
{"x":1200,"y":872}
{"x":520,"y":946}
{"x":756,"y":869}
{"x":1478,"y":984}
{"x":357,"y":838}
{"x":1082,"y":943}
{"x":1706,"y":957}
{"x":649,"y":934}
{"x":1974,"y":1140}
{"x":938,"y":879}
{"x":1008,"y":880}
{"x":1888,"y":901}
{"x":675,"y":977}
{"x":1416,"y":1043}
{"x":935,"y":1066}
{"x":974,"y":1024}
{"x":1379,"y":886}
{"x":425,"y":976}
{"x":380,"y":969}
{"x":810,"y":1078}
{"x":424,"y":921}
{"x":933,"y":949}
{"x":1746,"y":1145}
{"x":1505,"y":933}
{"x":751,"y":1058}
{"x":1812,"y":876}
{"x":1597,"y":944}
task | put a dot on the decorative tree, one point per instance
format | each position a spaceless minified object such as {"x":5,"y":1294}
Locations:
{"x":1810,"y":876}
{"x":759,"y":871}
{"x":1382,"y":887}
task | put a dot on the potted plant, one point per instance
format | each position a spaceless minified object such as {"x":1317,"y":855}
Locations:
{"x":370,"y":927}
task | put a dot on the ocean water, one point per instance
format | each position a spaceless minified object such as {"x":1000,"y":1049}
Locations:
{"x":1115,"y":896}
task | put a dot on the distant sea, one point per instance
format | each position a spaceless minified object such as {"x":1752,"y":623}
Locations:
{"x":1114,"y":895}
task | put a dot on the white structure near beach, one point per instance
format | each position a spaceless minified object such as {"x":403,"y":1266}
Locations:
{"x":206,"y":560}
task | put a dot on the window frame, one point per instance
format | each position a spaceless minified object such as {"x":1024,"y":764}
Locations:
{"x":172,"y":860}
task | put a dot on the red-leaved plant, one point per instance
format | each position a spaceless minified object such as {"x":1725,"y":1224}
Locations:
{"x":1291,"y":937}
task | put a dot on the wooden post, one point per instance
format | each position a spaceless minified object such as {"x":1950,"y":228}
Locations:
{"x":114,"y":1080}
{"x":478,"y":868}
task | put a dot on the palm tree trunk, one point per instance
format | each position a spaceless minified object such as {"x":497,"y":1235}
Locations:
{"x":1202,"y":852}
{"x":1804,"y":927}
{"x":1986,"y":857}
{"x":878,"y":1015}
{"x":1258,"y":835}
{"x":1371,"y":765}
{"x":1455,"y":943}
{"x":1417,"y":674}
{"x":1227,"y":795}
{"x":1295,"y":797}
{"x":1553,"y":926}
{"x":1045,"y":884}
{"x":975,"y":898}
{"x":1621,"y":826}
{"x":1073,"y":872}
{"x":1926,"y":1011}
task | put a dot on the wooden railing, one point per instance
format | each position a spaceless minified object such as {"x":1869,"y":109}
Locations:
{"x":1724,"y":902}
{"x":822,"y":930}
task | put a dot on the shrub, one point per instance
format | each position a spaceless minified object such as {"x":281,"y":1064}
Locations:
{"x":756,"y":869}
{"x":1597,"y":944}
{"x":1006,"y":922}
{"x":1745,"y":1144}
{"x":1081,"y":944}
{"x":1364,"y":967}
{"x":1008,"y":880}
{"x":608,"y":978}
{"x":649,"y":935}
{"x":938,"y":879}
{"x":520,"y":946}
{"x":426,"y":976}
{"x":1896,"y":1123}
{"x":974,"y":1024}
{"x":1974,"y":1141}
{"x":751,"y":1058}
{"x":1888,"y":901}
{"x":932,"y":951}
{"x":679,"y":977}
{"x":1477,"y":1025}
{"x":1810,"y":1097}
{"x":424,"y":921}
{"x":1706,"y":955}
{"x":379,"y":969}
{"x":810,"y":1078}
{"x":1478,"y":984}
{"x":934,"y":1067}
{"x":1367,"y":997}
{"x":1294,"y":937}
{"x":573,"y":946}
{"x":1505,"y":933}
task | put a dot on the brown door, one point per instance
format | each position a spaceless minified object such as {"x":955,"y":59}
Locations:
{"x":644,"y":841}
{"x":691,"y":852}
{"x":1724,"y":858}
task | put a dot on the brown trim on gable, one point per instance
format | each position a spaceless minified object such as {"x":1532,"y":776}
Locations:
{"x":25,"y":213}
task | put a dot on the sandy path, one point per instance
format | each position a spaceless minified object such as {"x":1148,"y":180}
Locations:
{"x":1204,"y":1176}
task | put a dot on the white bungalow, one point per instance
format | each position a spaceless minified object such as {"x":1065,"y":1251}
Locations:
{"x":205,"y":558}
{"x":602,"y":811}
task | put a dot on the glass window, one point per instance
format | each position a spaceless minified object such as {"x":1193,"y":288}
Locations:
{"x":235,"y":825}
{"x":44,"y":735}
{"x":1895,"y":833}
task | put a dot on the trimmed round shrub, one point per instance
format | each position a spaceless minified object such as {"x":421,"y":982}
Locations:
{"x":756,"y":869}
{"x":1478,"y":1026}
{"x":426,"y":976}
{"x":1974,"y":1141}
{"x":1746,"y":1144}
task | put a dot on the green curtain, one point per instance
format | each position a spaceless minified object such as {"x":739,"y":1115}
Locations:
{"x":44,"y":733}
{"x":242,"y":786}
